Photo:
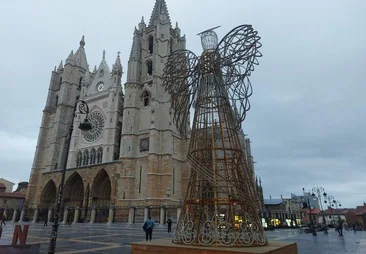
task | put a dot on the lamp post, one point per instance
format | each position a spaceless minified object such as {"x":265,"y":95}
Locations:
{"x":319,"y":192}
{"x":311,"y":219}
{"x":307,"y":204}
{"x":84,"y":126}
{"x":337,"y":204}
{"x":328,"y":201}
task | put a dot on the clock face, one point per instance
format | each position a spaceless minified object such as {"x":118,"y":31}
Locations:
{"x":144,"y":144}
{"x":100,"y":87}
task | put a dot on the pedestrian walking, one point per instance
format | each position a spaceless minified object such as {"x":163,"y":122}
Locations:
{"x":169,"y":222}
{"x":3,"y":218}
{"x":148,"y":228}
{"x":45,"y":222}
{"x":340,"y":227}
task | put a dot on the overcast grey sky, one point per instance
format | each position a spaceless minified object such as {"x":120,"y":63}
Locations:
{"x":307,"y":120}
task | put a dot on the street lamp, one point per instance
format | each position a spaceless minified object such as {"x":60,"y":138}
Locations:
{"x":337,"y":204}
{"x":84,"y":126}
{"x":319,"y":192}
{"x":306,"y":204}
{"x":328,"y":201}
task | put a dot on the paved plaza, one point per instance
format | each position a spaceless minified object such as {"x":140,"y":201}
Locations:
{"x":116,"y":238}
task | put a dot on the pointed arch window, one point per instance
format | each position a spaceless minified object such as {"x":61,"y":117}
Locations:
{"x":93,"y":155}
{"x":56,"y":100}
{"x":79,"y":159}
{"x":100,"y":155}
{"x":86,"y":158}
{"x":171,"y":45}
{"x":149,"y":68}
{"x":151,"y":44}
{"x":146,"y":98}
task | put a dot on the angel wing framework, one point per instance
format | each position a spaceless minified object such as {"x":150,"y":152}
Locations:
{"x":221,"y":205}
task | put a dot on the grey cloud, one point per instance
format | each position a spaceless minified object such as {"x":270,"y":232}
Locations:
{"x":307,"y":117}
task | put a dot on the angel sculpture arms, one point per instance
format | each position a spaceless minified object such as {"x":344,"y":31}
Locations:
{"x":180,"y":79}
{"x":237,"y":54}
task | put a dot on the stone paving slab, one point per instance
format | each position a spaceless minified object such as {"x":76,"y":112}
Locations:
{"x":362,"y":247}
{"x":116,"y":238}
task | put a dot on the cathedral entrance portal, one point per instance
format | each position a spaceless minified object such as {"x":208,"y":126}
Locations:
{"x":101,"y":195}
{"x":48,"y":198}
{"x":74,"y":191}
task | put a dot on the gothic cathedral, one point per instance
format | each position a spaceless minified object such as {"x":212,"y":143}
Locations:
{"x":133,"y":160}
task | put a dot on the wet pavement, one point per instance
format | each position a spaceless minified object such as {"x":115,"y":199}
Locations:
{"x":116,"y":238}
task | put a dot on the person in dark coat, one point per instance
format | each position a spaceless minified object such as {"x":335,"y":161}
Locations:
{"x":148,"y":228}
{"x":45,"y":222}
{"x":169,"y":222}
{"x":340,"y":227}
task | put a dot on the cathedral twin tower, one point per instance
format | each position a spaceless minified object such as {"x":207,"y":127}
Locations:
{"x":133,"y":159}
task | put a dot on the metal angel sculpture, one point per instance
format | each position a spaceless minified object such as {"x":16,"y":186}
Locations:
{"x":221,"y":204}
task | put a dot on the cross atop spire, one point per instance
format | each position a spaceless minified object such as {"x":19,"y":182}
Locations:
{"x":160,"y":11}
{"x":103,"y":54}
{"x":117,"y":66}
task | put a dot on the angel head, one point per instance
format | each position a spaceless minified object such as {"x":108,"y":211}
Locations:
{"x":230,"y":62}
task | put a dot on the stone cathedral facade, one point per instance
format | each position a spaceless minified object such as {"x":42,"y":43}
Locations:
{"x":133,"y":158}
{"x":133,"y":162}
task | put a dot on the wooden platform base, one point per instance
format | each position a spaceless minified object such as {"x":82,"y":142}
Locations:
{"x":165,"y":246}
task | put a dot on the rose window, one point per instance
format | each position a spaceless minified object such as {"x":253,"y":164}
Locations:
{"x":96,"y":120}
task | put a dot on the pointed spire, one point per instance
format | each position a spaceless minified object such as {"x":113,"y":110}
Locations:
{"x":54,"y":68}
{"x":177,"y":29}
{"x":142,"y":24}
{"x":82,"y":42}
{"x":60,"y":67}
{"x":260,"y":182}
{"x":71,"y":55}
{"x":70,"y":59}
{"x":103,"y":64}
{"x":117,"y":67}
{"x":136,"y":46}
{"x":80,"y":56}
{"x":95,"y":69}
{"x":160,"y":12}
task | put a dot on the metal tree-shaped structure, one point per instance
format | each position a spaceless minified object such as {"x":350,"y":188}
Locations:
{"x":221,"y":205}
